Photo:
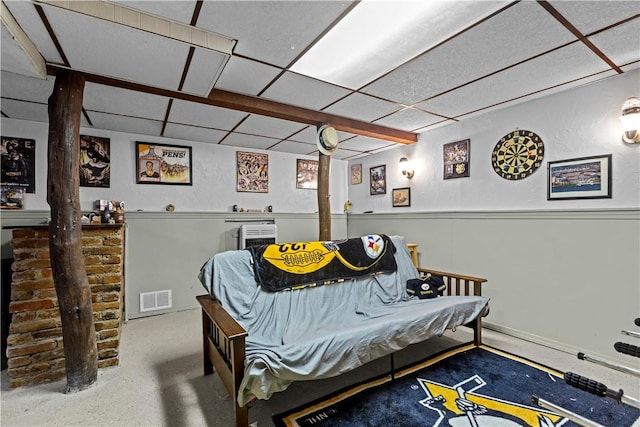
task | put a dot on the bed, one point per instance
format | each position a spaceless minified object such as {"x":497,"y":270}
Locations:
{"x":259,"y":342}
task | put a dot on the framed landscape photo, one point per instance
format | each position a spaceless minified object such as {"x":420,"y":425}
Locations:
{"x":456,"y":159}
{"x":307,"y":174}
{"x":401,"y":197}
{"x":378,"y":180}
{"x":579,"y":178}
{"x":356,"y":174}
{"x":163,"y":164}
{"x":252,"y":171}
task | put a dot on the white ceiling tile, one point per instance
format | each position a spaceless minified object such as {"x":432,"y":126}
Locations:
{"x":307,"y":135}
{"x":294,"y":147}
{"x":26,"y":15}
{"x":125,"y":124}
{"x":27,"y":88}
{"x":180,"y":11}
{"x":364,"y":143}
{"x":362,"y":107}
{"x":561,"y":66}
{"x":204,"y":115}
{"x":589,"y":16}
{"x":14,"y":58}
{"x":302,"y":91}
{"x":25,"y":110}
{"x":408,"y":119}
{"x":108,"y":99}
{"x":271,"y":31}
{"x":204,"y":70}
{"x":249,"y":141}
{"x":620,"y":44}
{"x":340,"y":154}
{"x":268,"y":126}
{"x":193,"y":133}
{"x":124,"y":52}
{"x":245,"y":76}
{"x":520,"y":32}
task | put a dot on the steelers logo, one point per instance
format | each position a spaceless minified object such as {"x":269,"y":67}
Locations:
{"x":373,"y":245}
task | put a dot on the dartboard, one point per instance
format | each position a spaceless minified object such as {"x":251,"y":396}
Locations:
{"x":517,"y":155}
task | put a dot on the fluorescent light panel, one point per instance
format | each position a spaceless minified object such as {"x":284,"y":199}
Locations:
{"x":379,"y":35}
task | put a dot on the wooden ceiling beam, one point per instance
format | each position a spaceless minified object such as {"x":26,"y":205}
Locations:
{"x":255,"y":105}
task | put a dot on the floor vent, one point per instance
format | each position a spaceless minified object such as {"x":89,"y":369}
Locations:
{"x":155,"y":300}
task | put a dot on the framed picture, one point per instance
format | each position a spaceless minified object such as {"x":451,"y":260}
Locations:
{"x":378,"y":180}
{"x":252,"y":170}
{"x":456,"y":159}
{"x":95,"y":162}
{"x":18,"y":161}
{"x":356,"y":174}
{"x":163,"y":164}
{"x":307,"y":174}
{"x":401,"y":197}
{"x":580,"y":178}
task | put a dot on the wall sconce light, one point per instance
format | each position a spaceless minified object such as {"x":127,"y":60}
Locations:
{"x":405,"y":167}
{"x":631,"y":120}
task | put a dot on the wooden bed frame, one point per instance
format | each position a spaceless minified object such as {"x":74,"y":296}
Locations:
{"x":223,"y":339}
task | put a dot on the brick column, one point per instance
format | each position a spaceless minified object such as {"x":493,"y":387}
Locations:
{"x":35,"y":346}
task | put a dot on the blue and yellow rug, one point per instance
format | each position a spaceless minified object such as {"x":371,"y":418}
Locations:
{"x":466,"y":386}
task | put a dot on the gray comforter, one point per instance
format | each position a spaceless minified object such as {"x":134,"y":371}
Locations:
{"x":328,"y":330}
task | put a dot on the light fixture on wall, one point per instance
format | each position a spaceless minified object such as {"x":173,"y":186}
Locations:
{"x":631,"y":120}
{"x":405,"y":167}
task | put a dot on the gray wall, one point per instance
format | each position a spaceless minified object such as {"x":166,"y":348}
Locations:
{"x":566,"y":279}
{"x":166,"y":250}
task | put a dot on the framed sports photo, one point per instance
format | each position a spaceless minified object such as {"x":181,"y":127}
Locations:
{"x":401,"y":197}
{"x":378,"y":180}
{"x":163,"y":164}
{"x":307,"y":174}
{"x":252,"y":172}
{"x":456,"y":159}
{"x":579,"y":178}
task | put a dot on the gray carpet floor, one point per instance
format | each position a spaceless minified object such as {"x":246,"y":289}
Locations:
{"x":159,"y":381}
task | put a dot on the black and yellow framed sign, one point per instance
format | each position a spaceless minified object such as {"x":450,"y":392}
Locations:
{"x":517,"y":155}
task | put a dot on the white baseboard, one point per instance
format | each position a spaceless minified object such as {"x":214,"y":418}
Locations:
{"x":556,"y":345}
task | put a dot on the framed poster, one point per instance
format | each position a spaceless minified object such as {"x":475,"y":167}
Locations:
{"x":579,"y":178}
{"x":163,"y":164}
{"x":356,"y":174}
{"x":252,"y":172}
{"x":378,"y":180}
{"x":401,"y":197}
{"x":17,"y":165}
{"x":95,"y":162}
{"x":456,"y":159}
{"x":307,"y":174}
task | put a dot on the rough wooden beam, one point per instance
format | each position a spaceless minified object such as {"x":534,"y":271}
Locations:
{"x":260,"y":106}
{"x":324,"y":204}
{"x":65,"y":232}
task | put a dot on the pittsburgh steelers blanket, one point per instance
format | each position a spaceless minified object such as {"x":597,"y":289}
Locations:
{"x":300,"y":265}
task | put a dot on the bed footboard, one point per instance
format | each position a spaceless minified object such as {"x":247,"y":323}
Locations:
{"x":223,"y":349}
{"x":458,"y":284}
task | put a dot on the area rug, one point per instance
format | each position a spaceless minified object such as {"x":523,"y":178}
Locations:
{"x":466,"y":386}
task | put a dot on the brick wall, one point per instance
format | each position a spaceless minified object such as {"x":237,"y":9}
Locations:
{"x":34,"y":346}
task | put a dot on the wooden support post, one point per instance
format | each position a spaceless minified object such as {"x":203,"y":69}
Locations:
{"x":324,"y":205}
{"x":65,"y":232}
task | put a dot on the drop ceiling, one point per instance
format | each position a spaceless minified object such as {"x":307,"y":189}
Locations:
{"x":141,"y":78}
